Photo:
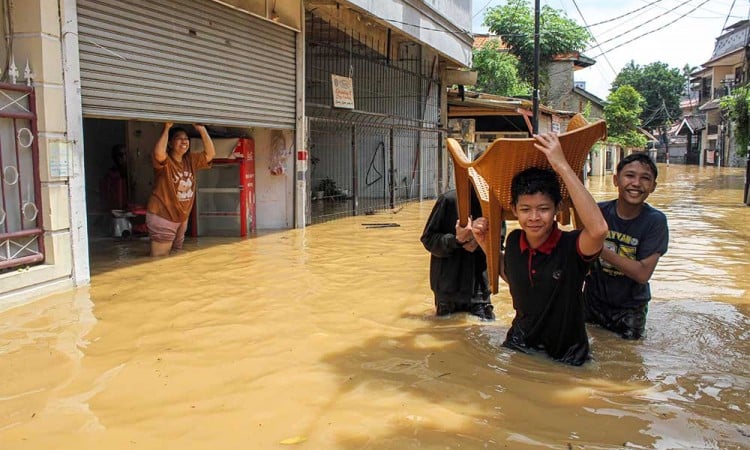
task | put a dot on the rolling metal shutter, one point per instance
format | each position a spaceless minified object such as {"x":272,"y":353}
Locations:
{"x":192,"y":61}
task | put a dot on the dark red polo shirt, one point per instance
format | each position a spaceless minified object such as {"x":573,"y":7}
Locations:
{"x":546,"y":284}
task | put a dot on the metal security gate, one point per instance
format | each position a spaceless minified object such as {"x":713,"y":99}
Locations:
{"x":386,"y":150}
{"x":186,"y":61}
{"x":363,"y":168}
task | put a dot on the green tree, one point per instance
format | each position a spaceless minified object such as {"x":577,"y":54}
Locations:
{"x":514,"y":23}
{"x":497,"y":71}
{"x":687,"y":69}
{"x":622,"y":115}
{"x":660,"y":85}
{"x":737,"y":107}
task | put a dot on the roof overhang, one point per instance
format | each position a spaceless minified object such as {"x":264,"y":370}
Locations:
{"x":487,"y":107}
{"x":589,"y":96}
{"x":710,"y":106}
{"x":481,"y":104}
{"x":730,"y":59}
{"x":423,"y":24}
{"x":690,"y":125}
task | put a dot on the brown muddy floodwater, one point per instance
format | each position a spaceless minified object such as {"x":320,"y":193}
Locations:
{"x":325,"y":338}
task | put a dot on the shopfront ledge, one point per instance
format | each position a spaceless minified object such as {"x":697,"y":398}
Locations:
{"x":26,"y":285}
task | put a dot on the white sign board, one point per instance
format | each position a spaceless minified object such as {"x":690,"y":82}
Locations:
{"x":59,"y":159}
{"x":343,"y":92}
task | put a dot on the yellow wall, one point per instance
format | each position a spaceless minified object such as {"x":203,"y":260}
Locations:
{"x":36,"y":39}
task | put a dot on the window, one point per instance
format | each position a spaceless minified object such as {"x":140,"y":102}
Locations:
{"x":706,"y":89}
{"x":21,"y":235}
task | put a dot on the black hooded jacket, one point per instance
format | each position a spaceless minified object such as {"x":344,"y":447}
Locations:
{"x":456,"y":275}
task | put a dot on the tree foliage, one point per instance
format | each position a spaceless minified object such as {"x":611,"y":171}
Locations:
{"x":737,"y":107}
{"x":514,"y":23}
{"x":497,"y":71}
{"x":687,"y":69}
{"x":660,"y":85}
{"x":622,"y":115}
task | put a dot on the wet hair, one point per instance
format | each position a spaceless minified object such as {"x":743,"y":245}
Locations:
{"x":641,"y":157}
{"x":535,"y":180}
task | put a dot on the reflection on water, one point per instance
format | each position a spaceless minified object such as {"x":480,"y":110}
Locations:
{"x":325,"y":338}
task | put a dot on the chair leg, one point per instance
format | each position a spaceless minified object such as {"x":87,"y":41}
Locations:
{"x":495,"y":217}
{"x":463,"y":194}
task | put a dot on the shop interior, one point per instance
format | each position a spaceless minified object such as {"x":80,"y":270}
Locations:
{"x":119,"y":179}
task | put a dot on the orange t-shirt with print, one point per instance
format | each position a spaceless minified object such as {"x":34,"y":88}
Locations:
{"x":174,"y":186}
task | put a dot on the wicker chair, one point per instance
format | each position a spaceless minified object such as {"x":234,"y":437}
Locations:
{"x":492,"y":172}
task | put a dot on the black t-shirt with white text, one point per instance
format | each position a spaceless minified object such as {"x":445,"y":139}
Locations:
{"x":634,"y":239}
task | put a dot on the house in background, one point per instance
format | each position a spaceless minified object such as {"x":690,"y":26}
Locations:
{"x":717,"y":77}
{"x":565,"y":94}
{"x":561,"y":93}
{"x":685,"y":140}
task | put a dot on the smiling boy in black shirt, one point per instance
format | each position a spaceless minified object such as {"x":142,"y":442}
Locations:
{"x":544,"y":266}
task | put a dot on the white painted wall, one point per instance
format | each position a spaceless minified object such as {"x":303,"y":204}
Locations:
{"x":274,"y":194}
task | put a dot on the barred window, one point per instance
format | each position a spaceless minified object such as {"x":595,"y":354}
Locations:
{"x":21,"y":235}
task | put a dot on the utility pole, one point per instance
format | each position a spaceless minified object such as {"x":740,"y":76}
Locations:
{"x":535,"y":103}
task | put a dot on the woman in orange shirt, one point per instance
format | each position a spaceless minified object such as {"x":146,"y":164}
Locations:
{"x":173,"y":195}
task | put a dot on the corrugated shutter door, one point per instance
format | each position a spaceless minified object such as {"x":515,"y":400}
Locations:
{"x":192,"y":61}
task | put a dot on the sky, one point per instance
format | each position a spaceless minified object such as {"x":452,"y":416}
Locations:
{"x":675,"y":32}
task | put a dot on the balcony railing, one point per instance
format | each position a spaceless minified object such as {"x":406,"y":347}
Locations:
{"x":721,"y":91}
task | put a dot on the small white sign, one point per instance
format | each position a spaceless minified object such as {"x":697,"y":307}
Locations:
{"x":343,"y":92}
{"x":59,"y":159}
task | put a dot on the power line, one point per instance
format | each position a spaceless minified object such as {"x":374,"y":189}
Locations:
{"x":482,"y":9}
{"x":623,"y":15}
{"x":723,"y":27}
{"x":592,"y":35}
{"x":650,"y":20}
{"x":652,"y":31}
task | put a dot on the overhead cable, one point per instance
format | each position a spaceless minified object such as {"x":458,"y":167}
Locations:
{"x":724,"y":27}
{"x":621,"y":16}
{"x":652,"y":19}
{"x":652,"y":31}
{"x":594,"y":37}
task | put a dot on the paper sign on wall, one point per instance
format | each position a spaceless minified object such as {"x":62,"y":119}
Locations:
{"x":59,"y":159}
{"x":343,"y":92}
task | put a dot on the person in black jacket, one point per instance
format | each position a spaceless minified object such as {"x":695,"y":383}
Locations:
{"x":458,"y":267}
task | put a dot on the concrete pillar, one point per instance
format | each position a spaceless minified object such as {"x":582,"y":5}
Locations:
{"x":74,"y":127}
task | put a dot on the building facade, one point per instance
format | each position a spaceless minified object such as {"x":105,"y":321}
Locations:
{"x":725,"y":70}
{"x":87,"y":76}
{"x":375,"y":100}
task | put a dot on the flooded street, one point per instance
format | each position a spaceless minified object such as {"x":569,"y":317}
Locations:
{"x":325,"y":338}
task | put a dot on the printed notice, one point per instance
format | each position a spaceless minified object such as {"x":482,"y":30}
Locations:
{"x":343,"y":92}
{"x":59,"y":161}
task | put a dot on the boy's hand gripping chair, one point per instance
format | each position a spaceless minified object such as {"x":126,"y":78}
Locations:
{"x":492,"y":172}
